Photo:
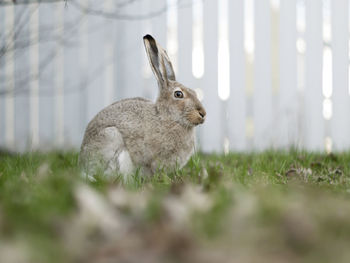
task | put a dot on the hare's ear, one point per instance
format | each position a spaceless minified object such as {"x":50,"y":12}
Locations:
{"x":168,"y":66}
{"x":159,"y":60}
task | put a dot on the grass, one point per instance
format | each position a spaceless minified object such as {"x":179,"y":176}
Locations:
{"x":273,"y":206}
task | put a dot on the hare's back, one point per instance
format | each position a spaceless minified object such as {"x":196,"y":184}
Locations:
{"x":129,"y":113}
{"x":128,"y":116}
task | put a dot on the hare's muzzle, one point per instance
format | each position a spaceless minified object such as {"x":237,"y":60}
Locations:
{"x":202,"y":113}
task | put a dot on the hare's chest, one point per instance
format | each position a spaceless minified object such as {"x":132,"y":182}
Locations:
{"x":174,"y":151}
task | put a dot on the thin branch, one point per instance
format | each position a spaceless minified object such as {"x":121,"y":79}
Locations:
{"x":27,"y":2}
{"x":116,"y":15}
{"x":125,"y":3}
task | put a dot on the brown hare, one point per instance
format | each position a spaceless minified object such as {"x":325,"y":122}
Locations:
{"x":139,"y":134}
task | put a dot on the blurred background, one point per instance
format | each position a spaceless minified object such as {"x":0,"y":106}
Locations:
{"x":271,"y":73}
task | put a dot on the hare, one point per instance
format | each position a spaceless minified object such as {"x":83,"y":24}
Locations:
{"x":139,"y":134}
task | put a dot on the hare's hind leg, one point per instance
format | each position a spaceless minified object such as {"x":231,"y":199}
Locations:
{"x":106,"y":152}
{"x":116,"y":155}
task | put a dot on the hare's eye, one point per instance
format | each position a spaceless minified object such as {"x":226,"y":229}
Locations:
{"x":178,"y":94}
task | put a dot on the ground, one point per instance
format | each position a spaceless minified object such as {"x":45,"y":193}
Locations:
{"x":273,"y":206}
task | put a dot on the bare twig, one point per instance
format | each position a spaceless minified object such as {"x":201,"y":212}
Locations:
{"x":27,"y":2}
{"x":116,"y":14}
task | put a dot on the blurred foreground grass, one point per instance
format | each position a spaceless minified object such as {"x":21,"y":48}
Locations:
{"x":268,"y":207}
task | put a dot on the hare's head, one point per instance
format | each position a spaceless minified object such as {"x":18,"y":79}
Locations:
{"x":179,"y":102}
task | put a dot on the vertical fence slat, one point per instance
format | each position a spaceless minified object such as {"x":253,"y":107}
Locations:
{"x":47,"y":52}
{"x":9,"y":79}
{"x":34,"y":71}
{"x":263,"y":122}
{"x":159,"y":28}
{"x":22,"y":80}
{"x":313,"y":120}
{"x":96,"y":65}
{"x":184,"y":73}
{"x":2,"y":80}
{"x":59,"y":78}
{"x":119,"y":58}
{"x":83,"y":68}
{"x":72,"y":135}
{"x":237,"y":100}
{"x":212,"y":128}
{"x":340,"y":122}
{"x":129,"y":55}
{"x":109,"y":51}
{"x":288,"y":103}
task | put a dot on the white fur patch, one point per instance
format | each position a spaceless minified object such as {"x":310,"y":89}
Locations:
{"x":113,"y":141}
{"x":112,"y":151}
{"x":126,"y":167}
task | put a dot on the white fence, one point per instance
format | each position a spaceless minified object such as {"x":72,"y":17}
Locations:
{"x":272,"y":73}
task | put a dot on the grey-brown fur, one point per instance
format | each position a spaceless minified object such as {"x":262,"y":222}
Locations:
{"x":154,"y":135}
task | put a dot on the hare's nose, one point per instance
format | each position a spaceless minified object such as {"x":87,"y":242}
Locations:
{"x":202,"y":112}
